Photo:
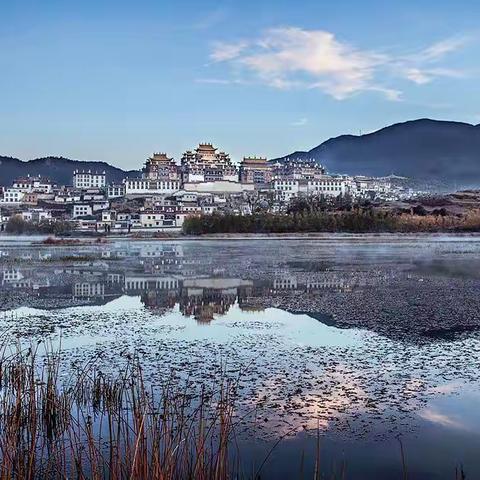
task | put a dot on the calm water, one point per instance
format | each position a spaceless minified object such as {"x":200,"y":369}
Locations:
{"x":369,"y":340}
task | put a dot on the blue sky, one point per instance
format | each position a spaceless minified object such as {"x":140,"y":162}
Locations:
{"x":115,"y":81}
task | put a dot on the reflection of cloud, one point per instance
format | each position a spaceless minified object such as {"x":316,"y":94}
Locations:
{"x":431,"y":415}
{"x":342,"y":394}
{"x":446,"y":388}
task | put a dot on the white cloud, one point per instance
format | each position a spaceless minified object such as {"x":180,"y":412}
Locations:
{"x":227,"y":51}
{"x":291,"y":57}
{"x":300,"y":123}
{"x":420,"y":67}
{"x":417,"y":76}
{"x":422,"y":77}
{"x":221,"y":81}
{"x":211,"y":19}
{"x":214,"y":81}
{"x":439,"y":49}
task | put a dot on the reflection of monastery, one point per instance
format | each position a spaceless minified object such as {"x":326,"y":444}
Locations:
{"x":163,"y":277}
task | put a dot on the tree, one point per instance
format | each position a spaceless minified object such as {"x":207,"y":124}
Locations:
{"x":16,"y":224}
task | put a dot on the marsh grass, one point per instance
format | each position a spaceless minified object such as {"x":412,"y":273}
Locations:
{"x":90,"y":425}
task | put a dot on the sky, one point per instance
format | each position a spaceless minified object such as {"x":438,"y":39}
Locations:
{"x":117,"y":80}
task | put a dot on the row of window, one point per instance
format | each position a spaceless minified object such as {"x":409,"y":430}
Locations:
{"x":329,"y":189}
{"x":148,"y":185}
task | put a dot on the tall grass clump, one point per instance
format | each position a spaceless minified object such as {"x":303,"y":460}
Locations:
{"x":90,"y":425}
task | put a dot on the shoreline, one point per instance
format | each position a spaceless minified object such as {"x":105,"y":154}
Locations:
{"x":320,"y":236}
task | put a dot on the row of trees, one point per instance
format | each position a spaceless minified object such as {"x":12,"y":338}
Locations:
{"x":353,"y":221}
{"x":17,"y":225}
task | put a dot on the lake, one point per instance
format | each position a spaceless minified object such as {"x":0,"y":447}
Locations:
{"x":372,"y":342}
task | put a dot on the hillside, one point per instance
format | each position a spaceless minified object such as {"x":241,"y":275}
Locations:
{"x":428,"y":150}
{"x":58,"y":169}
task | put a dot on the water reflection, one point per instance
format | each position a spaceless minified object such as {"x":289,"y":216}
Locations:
{"x":404,"y":362}
{"x":163,"y":275}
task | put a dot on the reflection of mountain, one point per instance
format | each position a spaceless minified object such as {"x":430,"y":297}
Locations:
{"x":321,"y":317}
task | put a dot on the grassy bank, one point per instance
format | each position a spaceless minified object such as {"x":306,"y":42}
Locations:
{"x":357,"y":221}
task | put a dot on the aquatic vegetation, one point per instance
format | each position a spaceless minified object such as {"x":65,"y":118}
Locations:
{"x":90,"y":425}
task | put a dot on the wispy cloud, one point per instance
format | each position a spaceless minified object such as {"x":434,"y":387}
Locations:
{"x":422,"y":67}
{"x":227,"y":51}
{"x":211,"y":19}
{"x":291,"y":57}
{"x":439,"y":49}
{"x":300,"y":122}
{"x":221,"y":81}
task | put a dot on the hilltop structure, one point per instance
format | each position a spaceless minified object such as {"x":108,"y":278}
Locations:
{"x":207,"y":170}
{"x":160,"y":176}
{"x":164,"y":194}
{"x":160,"y":167}
{"x":206,"y":164}
{"x":256,"y":170}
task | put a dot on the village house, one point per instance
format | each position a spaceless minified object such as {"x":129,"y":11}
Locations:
{"x":36,"y":215}
{"x":33,"y":184}
{"x":115,"y":190}
{"x":87,"y":179}
{"x":82,"y":210}
{"x":12,"y":196}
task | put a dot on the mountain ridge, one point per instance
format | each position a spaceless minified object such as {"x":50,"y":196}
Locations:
{"x":431,"y":151}
{"x":58,"y":169}
{"x":425,"y":149}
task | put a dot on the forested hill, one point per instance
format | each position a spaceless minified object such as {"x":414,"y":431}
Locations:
{"x":58,"y":169}
{"x":439,"y":151}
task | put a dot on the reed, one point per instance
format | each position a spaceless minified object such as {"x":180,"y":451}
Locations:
{"x":90,"y":425}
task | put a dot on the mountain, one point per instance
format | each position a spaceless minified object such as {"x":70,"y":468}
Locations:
{"x":432,"y":151}
{"x":58,"y":169}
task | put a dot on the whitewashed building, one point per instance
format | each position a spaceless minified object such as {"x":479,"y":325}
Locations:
{"x":116,"y":190}
{"x":36,"y":215}
{"x":286,"y":189}
{"x":82,"y":210}
{"x":12,"y":196}
{"x":161,"y":220}
{"x":328,"y":187}
{"x":33,"y":184}
{"x":88,"y":179}
{"x":145,"y":186}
